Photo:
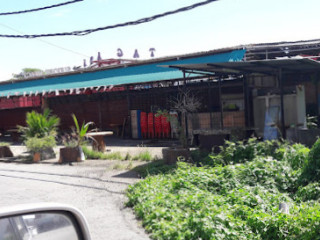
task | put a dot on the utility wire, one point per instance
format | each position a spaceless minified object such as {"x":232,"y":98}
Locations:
{"x":46,"y":42}
{"x":39,"y":9}
{"x":126,"y":24}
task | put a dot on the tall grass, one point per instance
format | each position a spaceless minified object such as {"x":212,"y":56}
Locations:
{"x":143,"y":156}
{"x":91,"y":154}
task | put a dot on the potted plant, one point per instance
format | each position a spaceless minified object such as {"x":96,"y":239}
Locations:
{"x":39,"y":134}
{"x":37,"y":145}
{"x":5,"y":150}
{"x":73,"y":142}
{"x":185,"y":103}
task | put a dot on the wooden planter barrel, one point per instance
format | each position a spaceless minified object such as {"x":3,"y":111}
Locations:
{"x":5,"y":152}
{"x":71,"y":154}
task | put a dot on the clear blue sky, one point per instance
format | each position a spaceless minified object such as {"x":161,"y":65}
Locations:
{"x":224,"y":23}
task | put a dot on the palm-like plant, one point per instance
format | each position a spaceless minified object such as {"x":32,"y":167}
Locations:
{"x":40,"y":125}
{"x":80,"y":132}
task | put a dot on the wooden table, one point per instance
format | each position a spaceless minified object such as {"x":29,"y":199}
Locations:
{"x":98,"y":143}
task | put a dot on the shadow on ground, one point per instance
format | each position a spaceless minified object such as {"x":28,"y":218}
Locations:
{"x":147,"y":169}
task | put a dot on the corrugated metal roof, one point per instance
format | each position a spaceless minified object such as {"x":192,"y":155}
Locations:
{"x":272,"y":66}
{"x":117,"y":76}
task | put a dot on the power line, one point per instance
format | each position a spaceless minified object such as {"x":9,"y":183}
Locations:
{"x":126,"y":24}
{"x":49,"y":43}
{"x":39,"y":9}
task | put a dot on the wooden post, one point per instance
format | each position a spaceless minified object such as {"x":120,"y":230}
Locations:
{"x":99,"y":114}
{"x":44,"y":103}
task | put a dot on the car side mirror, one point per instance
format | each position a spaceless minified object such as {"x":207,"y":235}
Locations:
{"x":43,"y":222}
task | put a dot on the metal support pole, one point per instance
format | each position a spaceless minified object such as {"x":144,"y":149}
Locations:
{"x":210,"y":105}
{"x":316,"y":84}
{"x":186,"y":114}
{"x":246,"y":101}
{"x":221,"y":105}
{"x":129,"y":114}
{"x":184,"y":80}
{"x":283,"y":127}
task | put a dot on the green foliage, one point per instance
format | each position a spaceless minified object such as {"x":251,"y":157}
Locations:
{"x":80,"y":131}
{"x":234,"y":195}
{"x":241,"y":151}
{"x":143,"y":156}
{"x":312,"y":122}
{"x":92,"y":154}
{"x":26,"y":72}
{"x":225,"y":202}
{"x":36,"y":144}
{"x":311,"y":171}
{"x":4,"y":144}
{"x":40,"y":125}
{"x":234,"y":152}
{"x":309,"y":192}
{"x":296,"y":155}
{"x":154,"y":168}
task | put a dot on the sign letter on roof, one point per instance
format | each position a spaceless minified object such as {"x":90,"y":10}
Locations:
{"x":119,"y":52}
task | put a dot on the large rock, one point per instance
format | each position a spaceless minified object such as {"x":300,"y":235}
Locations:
{"x":171,"y":155}
{"x":5,"y":152}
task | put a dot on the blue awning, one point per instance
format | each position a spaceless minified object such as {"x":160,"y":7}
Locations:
{"x":135,"y":74}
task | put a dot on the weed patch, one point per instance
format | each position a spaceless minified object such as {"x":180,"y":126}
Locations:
{"x":232,"y":195}
{"x":143,"y":156}
{"x":91,"y":154}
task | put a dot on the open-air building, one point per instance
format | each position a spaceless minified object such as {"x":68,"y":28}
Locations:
{"x":262,"y":89}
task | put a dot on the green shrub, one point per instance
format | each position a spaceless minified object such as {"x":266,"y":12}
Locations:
{"x":36,"y":144}
{"x":311,"y":171}
{"x":243,"y":151}
{"x":234,"y":195}
{"x":309,"y":192}
{"x":296,"y":155}
{"x":224,"y":202}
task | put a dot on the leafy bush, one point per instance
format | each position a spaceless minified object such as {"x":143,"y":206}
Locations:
{"x":225,"y":202}
{"x":296,"y":155}
{"x":311,"y":171}
{"x":243,"y":151}
{"x":309,"y":192}
{"x":234,"y":195}
{"x":36,"y":144}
